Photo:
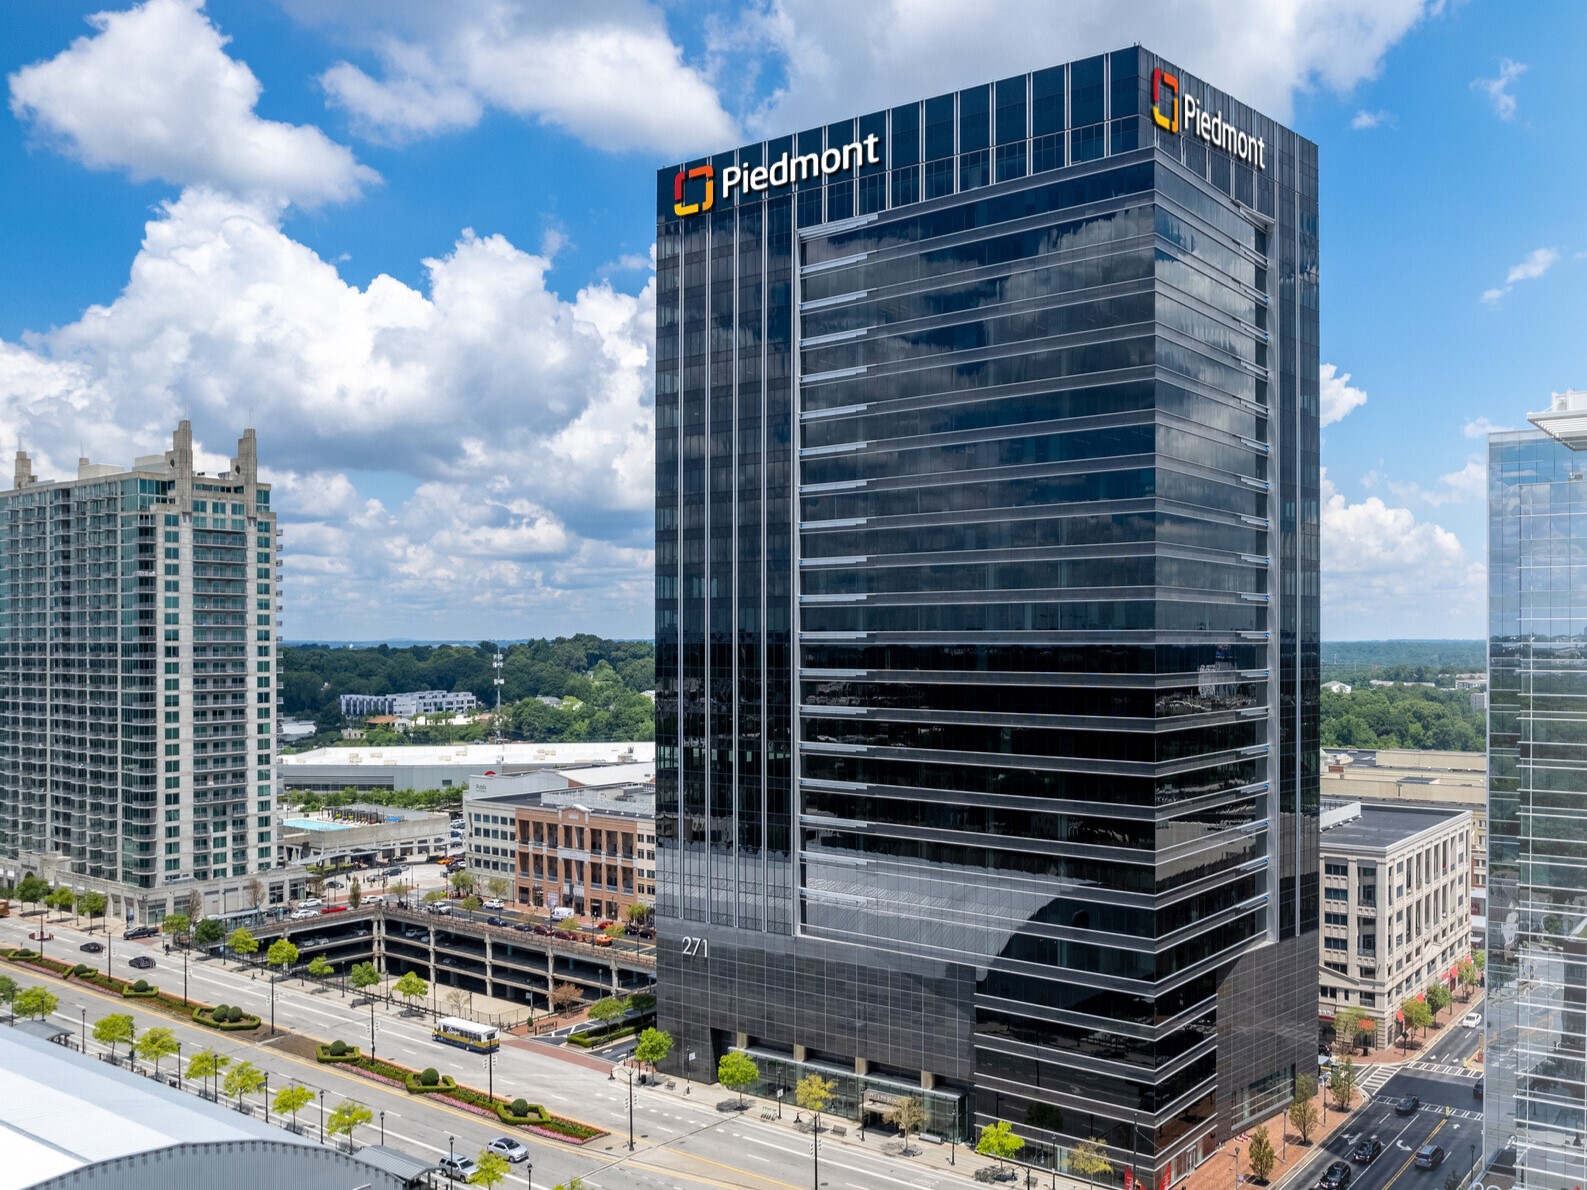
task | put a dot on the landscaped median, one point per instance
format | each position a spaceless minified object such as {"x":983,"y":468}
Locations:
{"x":431,"y":1083}
{"x":149,"y":995}
{"x":228,"y":1017}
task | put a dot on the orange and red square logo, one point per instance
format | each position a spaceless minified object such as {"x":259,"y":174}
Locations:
{"x":1165,"y":86}
{"x":681,"y":208}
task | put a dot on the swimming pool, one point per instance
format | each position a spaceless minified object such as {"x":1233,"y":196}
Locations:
{"x":315,"y":824}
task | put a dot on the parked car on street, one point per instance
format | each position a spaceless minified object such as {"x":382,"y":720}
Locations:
{"x":141,"y":932}
{"x":493,"y":903}
{"x":493,"y":920}
{"x":334,"y":884}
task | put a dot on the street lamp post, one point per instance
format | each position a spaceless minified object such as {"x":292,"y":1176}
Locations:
{"x":1054,"y":1137}
{"x":322,"y":1115}
{"x":490,"y":1074}
{"x":779,"y":1102}
{"x":107,"y":950}
{"x":1237,"y":1166}
{"x":267,"y":1096}
{"x":630,"y":1109}
{"x":382,"y":1125}
{"x":184,"y":984}
{"x":371,"y":1024}
{"x":688,"y":1062}
{"x":178,"y":1065}
{"x":451,"y":1157}
{"x":84,"y":1011}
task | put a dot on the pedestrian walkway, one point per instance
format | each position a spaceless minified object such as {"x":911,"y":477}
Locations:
{"x":1371,"y":1082}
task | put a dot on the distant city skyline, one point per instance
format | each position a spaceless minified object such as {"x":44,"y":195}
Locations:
{"x":413,"y":247}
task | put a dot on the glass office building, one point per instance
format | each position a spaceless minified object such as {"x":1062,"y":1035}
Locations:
{"x":986,"y":610}
{"x":1536,"y":1056}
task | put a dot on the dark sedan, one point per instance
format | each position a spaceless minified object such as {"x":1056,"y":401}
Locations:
{"x":1367,"y":1151}
{"x":143,"y":962}
{"x":141,"y":932}
{"x":92,"y":947}
{"x":1337,"y":1177}
{"x":1407,"y":1106}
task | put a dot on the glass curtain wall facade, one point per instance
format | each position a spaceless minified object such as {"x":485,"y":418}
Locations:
{"x":1536,"y":1017}
{"x":987,"y":620}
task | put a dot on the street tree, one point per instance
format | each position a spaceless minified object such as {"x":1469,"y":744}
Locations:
{"x":1466,"y":973}
{"x":1088,"y":1158}
{"x":291,"y":1100}
{"x":1342,"y":1082}
{"x":999,"y":1141}
{"x":1303,"y":1111}
{"x":434,"y":897}
{"x":1366,"y":1034}
{"x":116,"y":1029}
{"x":61,"y":900}
{"x":638,"y":913}
{"x":176,"y":927}
{"x":243,"y":1079}
{"x":156,"y":1043}
{"x":410,"y":987}
{"x":564,"y":996}
{"x":462,"y":882}
{"x":491,"y":1168}
{"x":1345,"y":1022}
{"x":31,"y":890}
{"x":609,"y":1011}
{"x":320,"y":967}
{"x":1261,"y":1155}
{"x":254,"y":889}
{"x":192,"y":904}
{"x":35,"y":1002}
{"x":641,"y":1003}
{"x":206,"y":1064}
{"x":813,"y":1093}
{"x":243,"y":943}
{"x":92,"y":905}
{"x":735,"y":1071}
{"x":282,"y":953}
{"x":355,"y":893}
{"x":613,"y":931}
{"x":208,"y":931}
{"x":1438,"y":997}
{"x":471,"y":904}
{"x":348,"y":1116}
{"x":363,"y":976}
{"x":8,"y":990}
{"x":653,"y":1047}
{"x":498,"y":886}
{"x":907,"y":1115}
{"x":399,"y":890}
{"x":1417,"y":1015}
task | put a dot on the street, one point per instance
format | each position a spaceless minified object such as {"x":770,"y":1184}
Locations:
{"x":680,"y":1140}
{"x":1449,"y":1116}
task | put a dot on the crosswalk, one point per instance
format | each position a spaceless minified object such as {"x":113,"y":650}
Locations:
{"x":1372,"y":1081}
{"x":1446,"y":1068}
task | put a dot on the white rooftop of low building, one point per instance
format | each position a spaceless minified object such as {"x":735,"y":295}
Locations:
{"x":62,"y":1112}
{"x":1565,"y":419}
{"x":613,"y":774}
{"x":482,"y":756}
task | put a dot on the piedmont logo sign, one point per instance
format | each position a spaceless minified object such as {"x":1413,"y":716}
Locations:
{"x":1213,"y":129}
{"x":681,"y":208}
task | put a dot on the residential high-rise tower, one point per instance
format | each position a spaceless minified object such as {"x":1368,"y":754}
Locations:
{"x":987,"y":610}
{"x":137,"y":683}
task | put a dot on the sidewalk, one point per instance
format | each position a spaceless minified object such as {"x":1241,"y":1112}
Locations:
{"x":1218,"y":1171}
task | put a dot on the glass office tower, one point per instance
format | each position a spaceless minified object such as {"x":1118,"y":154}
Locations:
{"x":1537,"y":799}
{"x":986,"y":610}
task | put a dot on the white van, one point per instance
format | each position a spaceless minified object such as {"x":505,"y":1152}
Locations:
{"x":562,"y":913}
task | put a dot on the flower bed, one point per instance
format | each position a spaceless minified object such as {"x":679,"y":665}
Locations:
{"x":562,"y":1128}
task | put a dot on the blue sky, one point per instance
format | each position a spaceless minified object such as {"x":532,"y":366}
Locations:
{"x":410,"y":243}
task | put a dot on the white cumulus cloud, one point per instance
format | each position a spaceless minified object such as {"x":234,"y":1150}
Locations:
{"x":1497,"y":89}
{"x":1337,"y":397}
{"x":515,"y":423}
{"x":1364,"y":120}
{"x":835,"y":57}
{"x":154,"y":93}
{"x":1386,"y":574}
{"x":1481,"y":427}
{"x":1537,"y":262}
{"x":609,"y":74}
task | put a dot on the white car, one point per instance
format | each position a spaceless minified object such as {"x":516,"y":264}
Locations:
{"x":493,"y":903}
{"x":304,"y":914}
{"x":1473,"y":1020}
{"x":311,"y":903}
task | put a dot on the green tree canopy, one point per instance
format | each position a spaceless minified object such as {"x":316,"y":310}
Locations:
{"x":156,"y":1043}
{"x":209,"y":931}
{"x":735,"y":1071}
{"x":348,"y":1116}
{"x":1088,"y":1158}
{"x":999,"y":1141}
{"x":492,"y":1168}
{"x":175,"y":925}
{"x":1260,"y":1154}
{"x":653,"y":1047}
{"x":320,"y":967}
{"x":813,"y":1093}
{"x":410,"y":987}
{"x":116,"y":1029}
{"x":363,"y":976}
{"x":292,"y":1099}
{"x":282,"y":953}
{"x":243,"y":1079}
{"x":35,"y":1002}
{"x":609,"y":1010}
{"x":242,"y":941}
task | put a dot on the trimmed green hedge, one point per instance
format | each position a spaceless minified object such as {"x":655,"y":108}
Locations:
{"x":132,"y":993}
{"x":593,"y":1038}
{"x":323,"y":1054}
{"x":83,"y":969}
{"x":416,"y":1086}
{"x":571,"y":1128}
{"x":206,"y":1017}
{"x":536,"y":1114}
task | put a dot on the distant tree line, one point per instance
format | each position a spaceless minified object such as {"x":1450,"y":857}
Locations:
{"x":598,"y":686}
{"x":1358,"y":661}
{"x":1415,"y":717}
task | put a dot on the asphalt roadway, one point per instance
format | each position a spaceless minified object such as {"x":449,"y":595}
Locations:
{"x":1449,"y":1116}
{"x":680,"y":1141}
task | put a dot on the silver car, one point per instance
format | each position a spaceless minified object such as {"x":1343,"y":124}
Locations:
{"x":507,"y":1147}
